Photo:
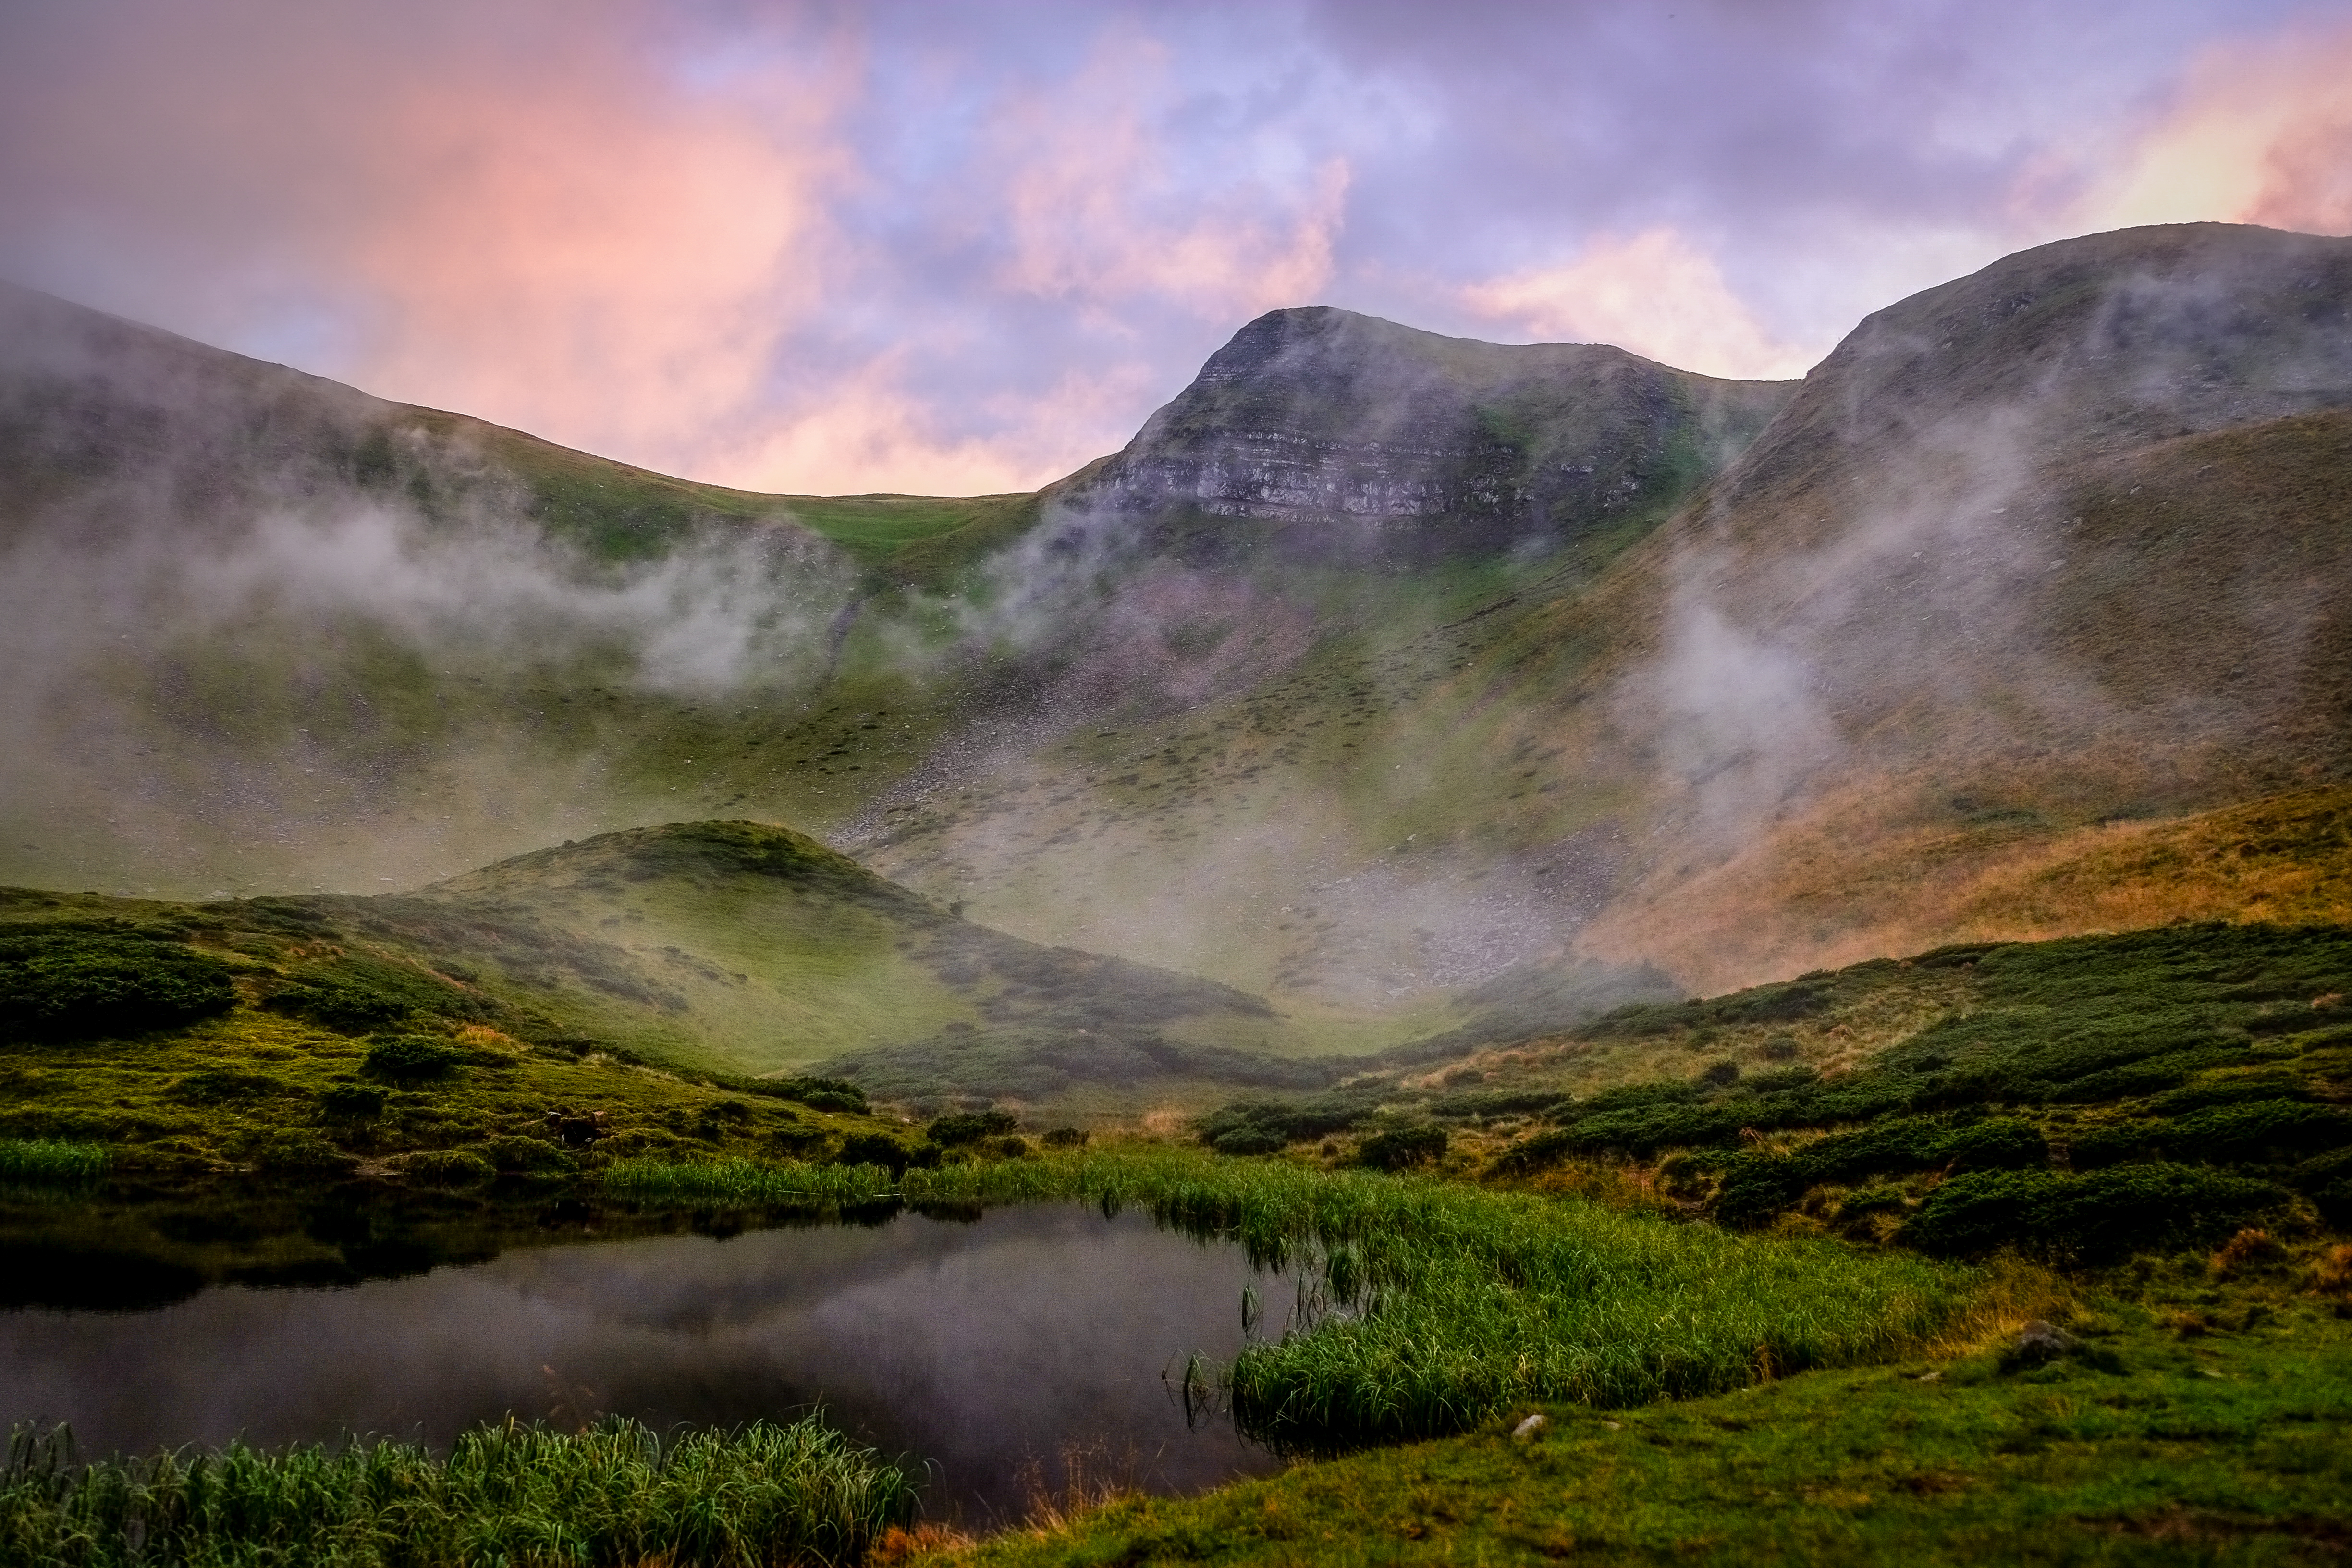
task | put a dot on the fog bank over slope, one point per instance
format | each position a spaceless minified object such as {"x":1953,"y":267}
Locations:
{"x":1377,"y":664}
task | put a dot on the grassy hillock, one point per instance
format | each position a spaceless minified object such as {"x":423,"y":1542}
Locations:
{"x":705,"y":985}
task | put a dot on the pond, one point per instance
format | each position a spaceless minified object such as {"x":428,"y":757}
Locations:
{"x":999,"y":1348}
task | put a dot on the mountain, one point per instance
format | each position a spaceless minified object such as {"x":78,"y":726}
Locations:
{"x":1349,"y":436}
{"x":1379,"y":666}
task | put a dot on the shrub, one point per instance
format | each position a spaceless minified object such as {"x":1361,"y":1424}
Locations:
{"x":2096,"y":1217}
{"x":874,"y":1149}
{"x":1997,"y":1143}
{"x":1066,"y":1138}
{"x":299,"y":1153}
{"x":816,"y":1093}
{"x":210,"y":1086}
{"x":411,"y":1057}
{"x":1401,"y":1150}
{"x":76,"y":981}
{"x":1249,"y":1140}
{"x":1287,"y":1121}
{"x":958,"y":1128}
{"x":517,"y":1155}
{"x":448,"y":1167}
{"x":2265,"y":1131}
{"x":1755,"y":1187}
{"x":1721,"y":1074}
{"x":353,"y":1101}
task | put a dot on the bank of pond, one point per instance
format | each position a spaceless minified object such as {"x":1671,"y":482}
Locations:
{"x":721,"y":1363}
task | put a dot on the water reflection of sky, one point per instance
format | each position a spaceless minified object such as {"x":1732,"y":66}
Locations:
{"x":984,"y":1348}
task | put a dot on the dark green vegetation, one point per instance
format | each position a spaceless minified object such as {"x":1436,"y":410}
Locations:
{"x":616,"y":1495}
{"x":74,"y":979}
{"x":340,"y":1048}
{"x":2086,"y":1098}
{"x":2201,"y":1419}
{"x":1431,"y":1306}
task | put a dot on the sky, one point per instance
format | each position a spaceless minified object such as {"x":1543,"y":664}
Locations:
{"x":964,"y":247}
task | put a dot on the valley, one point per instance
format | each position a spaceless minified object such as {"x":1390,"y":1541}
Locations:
{"x":1699,"y":911}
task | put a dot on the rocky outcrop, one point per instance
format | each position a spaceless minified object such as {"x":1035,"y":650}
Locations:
{"x":1343,"y":429}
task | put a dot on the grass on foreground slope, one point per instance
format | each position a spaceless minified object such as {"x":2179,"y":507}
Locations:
{"x":520,"y":1496}
{"x":1435,"y":1306}
{"x":2203,"y":1419}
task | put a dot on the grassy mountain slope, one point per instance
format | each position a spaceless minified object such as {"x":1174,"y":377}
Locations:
{"x":2052,"y":547}
{"x":90,"y":404}
{"x":1347,"y":684}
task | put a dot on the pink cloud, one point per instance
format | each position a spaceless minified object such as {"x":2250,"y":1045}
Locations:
{"x":2261,"y":132}
{"x":1654,"y":293}
{"x":1096,"y":214}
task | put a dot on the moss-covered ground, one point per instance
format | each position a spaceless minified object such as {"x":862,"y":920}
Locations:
{"x":2206,"y":1420}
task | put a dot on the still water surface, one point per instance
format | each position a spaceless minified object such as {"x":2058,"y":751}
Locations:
{"x":991,"y":1349}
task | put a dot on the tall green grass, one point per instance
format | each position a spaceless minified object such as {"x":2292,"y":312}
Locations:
{"x":746,"y":1183}
{"x":51,"y":1160}
{"x":1430,"y":1306}
{"x":517,"y":1496}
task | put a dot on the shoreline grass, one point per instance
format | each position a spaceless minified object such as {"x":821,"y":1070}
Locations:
{"x":519,"y":1496}
{"x":1430,"y":1307}
{"x":48,"y":1160}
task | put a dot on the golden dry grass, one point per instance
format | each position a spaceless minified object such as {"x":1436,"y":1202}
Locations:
{"x":1810,"y":899}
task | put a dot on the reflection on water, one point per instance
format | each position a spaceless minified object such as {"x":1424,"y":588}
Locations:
{"x":988,"y":1348}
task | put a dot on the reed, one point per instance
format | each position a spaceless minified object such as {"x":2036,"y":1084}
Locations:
{"x":1430,"y":1306}
{"x":51,"y":1160}
{"x":519,"y":1496}
{"x":746,"y":1183}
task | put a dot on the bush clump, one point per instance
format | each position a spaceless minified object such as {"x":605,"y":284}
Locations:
{"x":2095,"y":1218}
{"x":353,"y":1101}
{"x":1248,"y":1139}
{"x":876,"y":1149}
{"x":448,"y":1167}
{"x":1401,"y":1150}
{"x":515,"y":1155}
{"x":298,"y":1153}
{"x":75,"y":981}
{"x":409,"y":1058}
{"x":958,"y":1128}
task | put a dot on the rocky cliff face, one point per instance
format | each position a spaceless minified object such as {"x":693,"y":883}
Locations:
{"x":1347,"y":431}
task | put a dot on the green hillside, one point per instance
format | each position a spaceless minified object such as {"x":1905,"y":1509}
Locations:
{"x":1377,"y":664}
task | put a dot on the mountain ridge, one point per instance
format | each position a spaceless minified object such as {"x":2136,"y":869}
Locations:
{"x":2004,"y":568}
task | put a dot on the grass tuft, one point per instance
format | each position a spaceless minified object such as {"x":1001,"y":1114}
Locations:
{"x":51,"y":1160}
{"x":521,"y":1495}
